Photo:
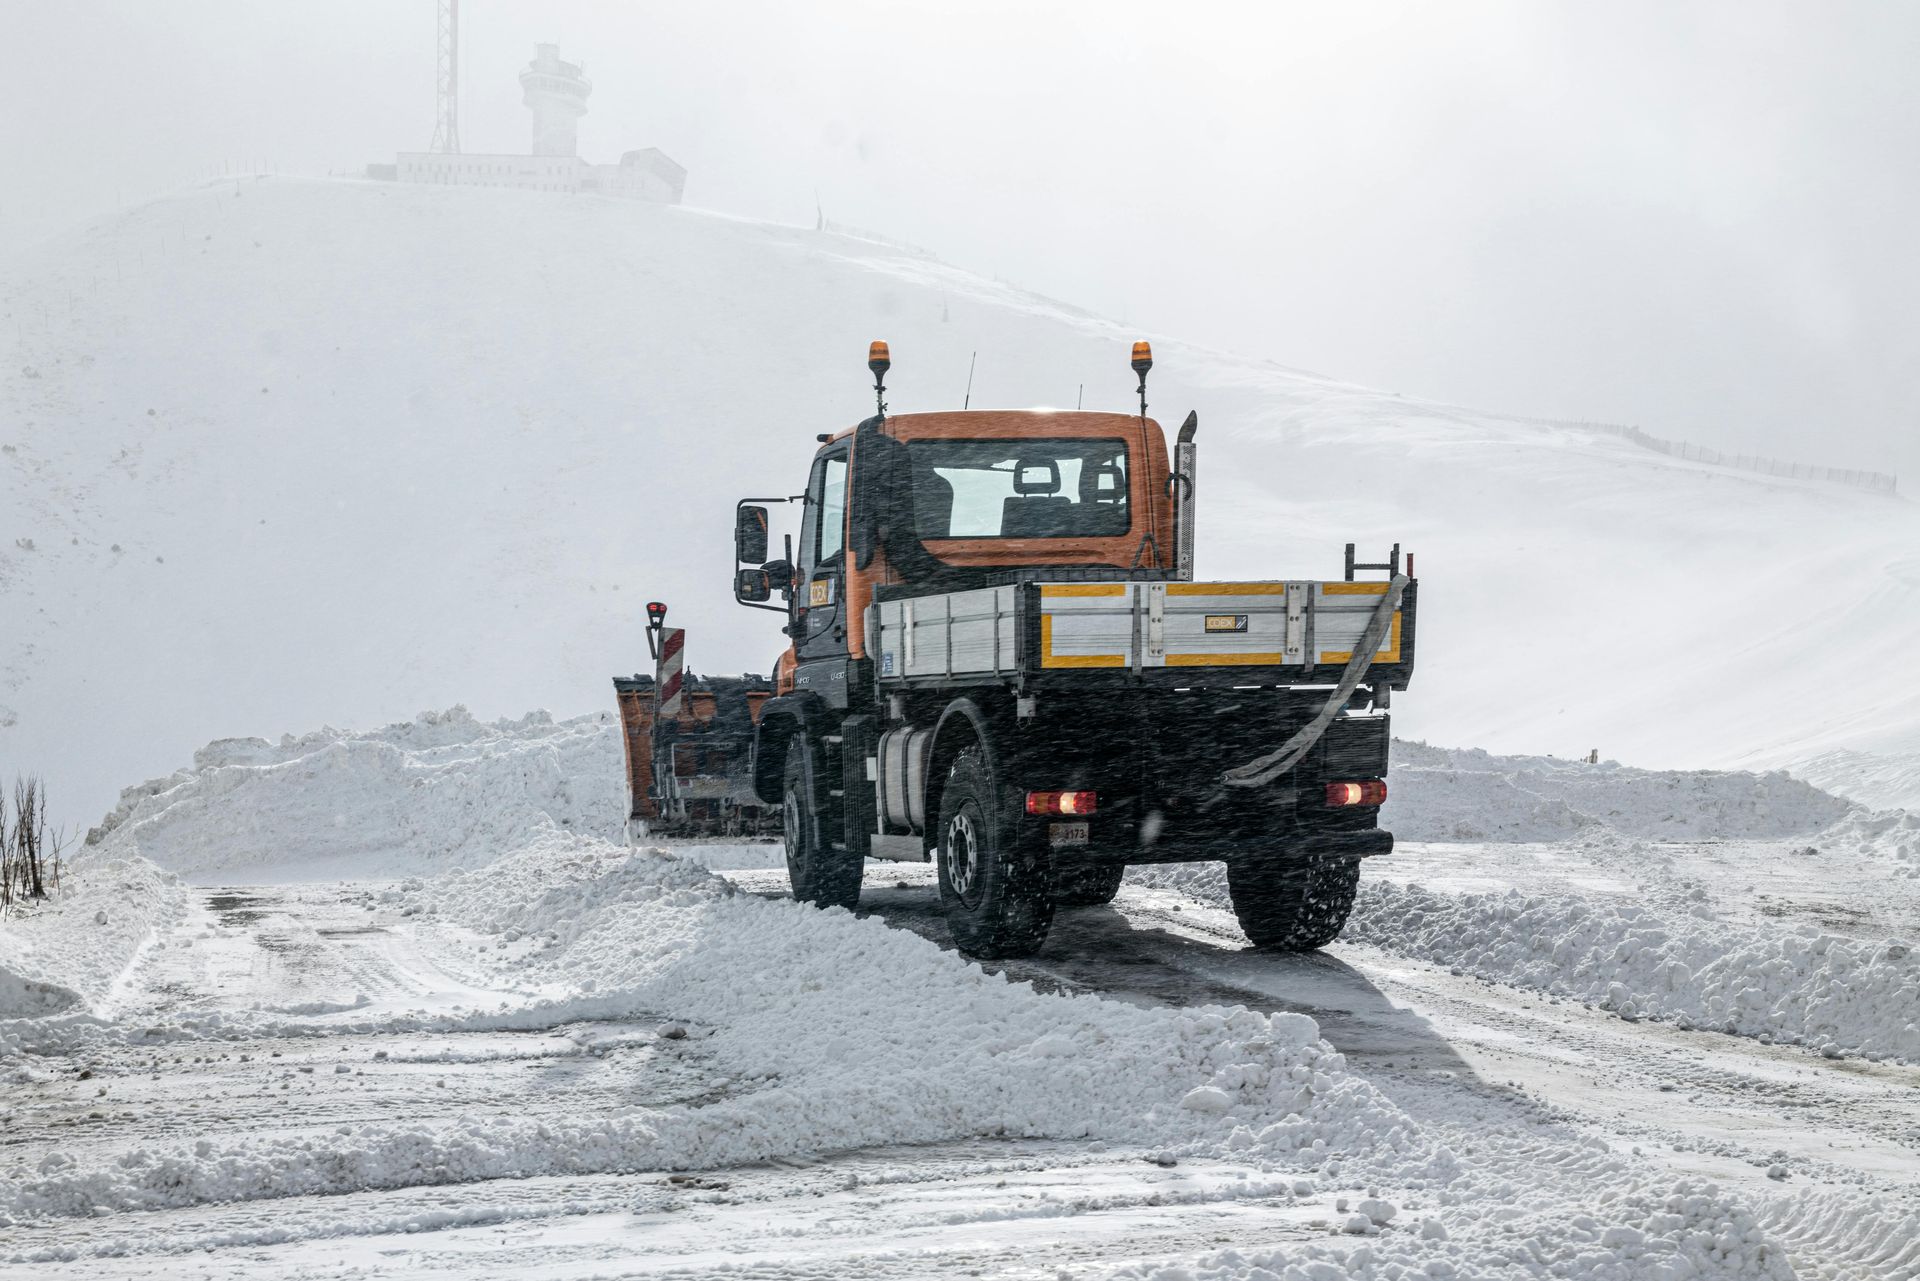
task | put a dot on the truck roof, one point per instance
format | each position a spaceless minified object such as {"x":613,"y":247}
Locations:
{"x":1014,"y":424}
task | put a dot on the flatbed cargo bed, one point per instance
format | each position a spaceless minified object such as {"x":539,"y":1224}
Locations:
{"x":1292,"y":632}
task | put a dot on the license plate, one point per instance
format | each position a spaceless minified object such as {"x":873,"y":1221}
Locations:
{"x":1066,"y":833}
{"x":1226,"y":622}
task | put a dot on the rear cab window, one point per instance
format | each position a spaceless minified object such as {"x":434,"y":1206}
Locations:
{"x":1067,"y":488}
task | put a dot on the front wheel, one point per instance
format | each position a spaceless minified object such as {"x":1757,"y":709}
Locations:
{"x":1296,"y":905}
{"x":994,"y":880}
{"x":820,"y":873}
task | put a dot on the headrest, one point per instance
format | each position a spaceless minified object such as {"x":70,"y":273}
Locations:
{"x":1093,"y":491}
{"x":1047,"y":484}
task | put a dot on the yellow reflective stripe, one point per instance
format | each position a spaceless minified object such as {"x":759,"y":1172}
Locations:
{"x":1226,"y":589}
{"x":1223,"y":660}
{"x":1083,"y":589}
{"x":1353,"y":589}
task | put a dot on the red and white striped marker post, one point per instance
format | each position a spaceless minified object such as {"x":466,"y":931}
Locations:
{"x":670,"y":671}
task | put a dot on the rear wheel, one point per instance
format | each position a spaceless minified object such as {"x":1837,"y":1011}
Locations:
{"x":994,"y":881}
{"x":1088,"y":884}
{"x":1293,"y":906}
{"x":820,"y":873}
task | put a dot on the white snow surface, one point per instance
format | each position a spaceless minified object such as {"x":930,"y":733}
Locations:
{"x":801,"y":1009}
{"x":1688,"y":1232}
{"x":441,"y":444}
{"x":67,"y":954}
{"x":822,"y":1032}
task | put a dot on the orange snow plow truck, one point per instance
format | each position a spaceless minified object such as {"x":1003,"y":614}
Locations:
{"x":999,"y":660}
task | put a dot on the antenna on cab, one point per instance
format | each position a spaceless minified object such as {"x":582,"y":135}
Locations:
{"x":1142,"y":362}
{"x":879,"y":362}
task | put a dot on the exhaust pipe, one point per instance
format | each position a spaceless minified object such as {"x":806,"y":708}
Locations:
{"x":1183,"y":504}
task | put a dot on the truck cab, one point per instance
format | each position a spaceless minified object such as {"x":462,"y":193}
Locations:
{"x":960,"y":499}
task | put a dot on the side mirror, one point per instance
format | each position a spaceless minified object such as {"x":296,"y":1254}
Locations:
{"x":753,"y":585}
{"x":750,"y":535}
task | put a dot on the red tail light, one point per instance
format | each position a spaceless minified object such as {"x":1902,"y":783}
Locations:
{"x":1371,"y":792}
{"x":1077,"y":804}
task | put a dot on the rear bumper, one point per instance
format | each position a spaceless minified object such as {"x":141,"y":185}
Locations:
{"x":1368,"y":844}
{"x":1277,"y":847}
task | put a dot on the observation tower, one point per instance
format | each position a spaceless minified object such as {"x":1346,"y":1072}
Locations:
{"x":556,"y":92}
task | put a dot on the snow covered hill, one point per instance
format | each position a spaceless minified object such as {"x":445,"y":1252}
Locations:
{"x":295,"y":452}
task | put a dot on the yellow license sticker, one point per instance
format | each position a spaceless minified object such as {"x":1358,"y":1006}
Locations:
{"x":1226,"y":622}
{"x":819,"y":592}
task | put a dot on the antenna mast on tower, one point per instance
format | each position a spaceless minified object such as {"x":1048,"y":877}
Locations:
{"x":446,"y":82}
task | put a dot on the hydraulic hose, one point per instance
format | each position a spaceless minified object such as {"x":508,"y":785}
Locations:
{"x":1265,"y":769}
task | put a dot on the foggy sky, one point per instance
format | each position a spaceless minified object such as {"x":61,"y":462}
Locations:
{"x":1697,"y":218}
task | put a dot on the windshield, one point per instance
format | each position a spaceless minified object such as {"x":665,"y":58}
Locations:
{"x":1020,"y":488}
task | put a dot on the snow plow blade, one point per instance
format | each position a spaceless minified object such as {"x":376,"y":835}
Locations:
{"x":690,"y":771}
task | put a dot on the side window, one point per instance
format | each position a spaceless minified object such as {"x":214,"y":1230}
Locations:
{"x":833,"y":509}
{"x":810,"y":522}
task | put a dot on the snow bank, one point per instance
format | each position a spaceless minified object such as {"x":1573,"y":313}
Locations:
{"x":1448,"y":794}
{"x":798,"y":995}
{"x":446,"y":790}
{"x":1669,"y":958}
{"x":67,"y":954}
{"x":1783,"y":984}
{"x":443,"y":790}
{"x":801,"y":997}
{"x":1889,"y":835}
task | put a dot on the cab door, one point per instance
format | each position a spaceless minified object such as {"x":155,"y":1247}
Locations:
{"x":820,"y":620}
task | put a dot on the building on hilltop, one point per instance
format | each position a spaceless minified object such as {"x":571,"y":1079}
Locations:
{"x":556,"y":93}
{"x":646,"y":174}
